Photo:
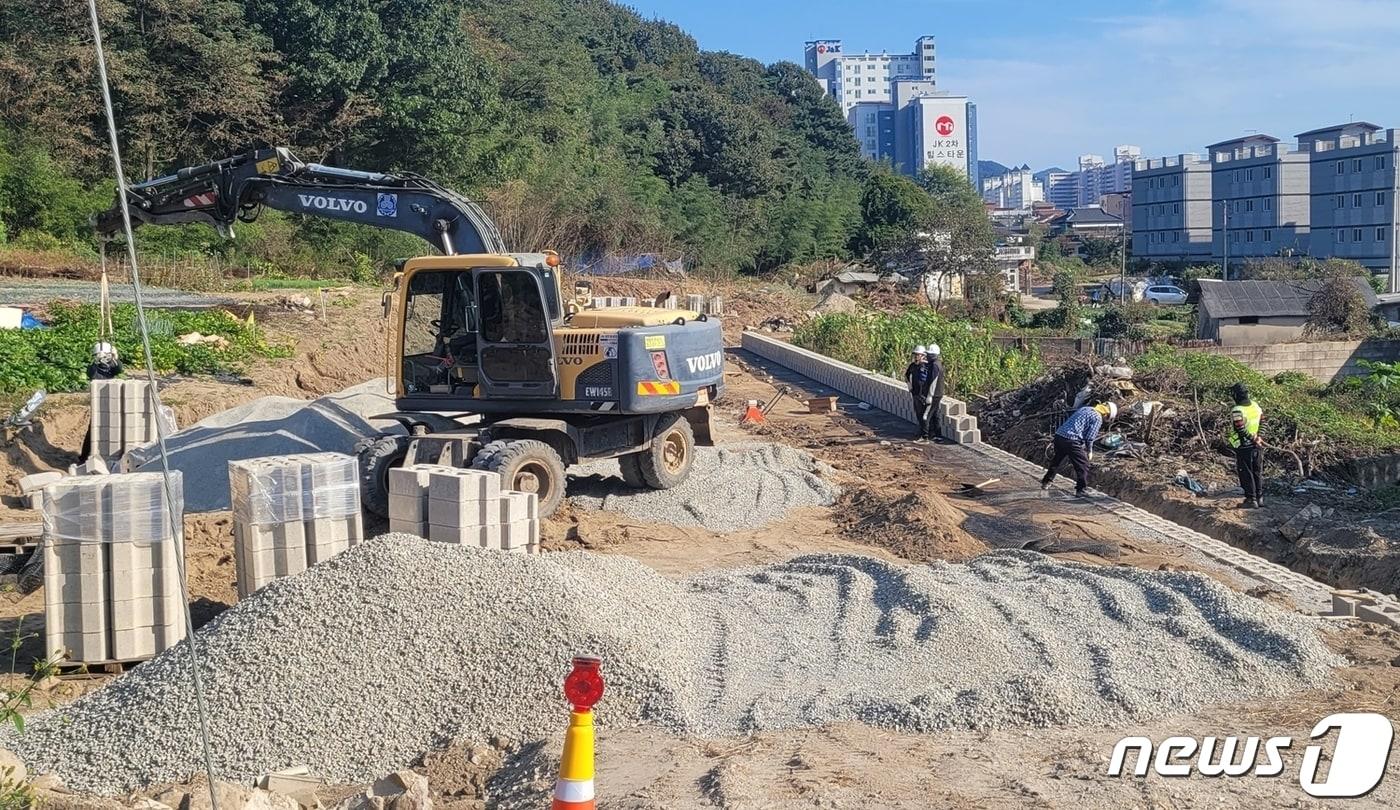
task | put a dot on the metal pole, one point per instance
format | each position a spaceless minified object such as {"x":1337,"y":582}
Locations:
{"x":1394,"y":219}
{"x":1225,"y":239}
{"x":1123,"y":268}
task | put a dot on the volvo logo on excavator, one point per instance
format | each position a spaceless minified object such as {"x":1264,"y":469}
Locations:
{"x":320,"y":203}
{"x":705,"y":362}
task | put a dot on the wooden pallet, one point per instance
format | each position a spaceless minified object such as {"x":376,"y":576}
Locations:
{"x":91,"y":669}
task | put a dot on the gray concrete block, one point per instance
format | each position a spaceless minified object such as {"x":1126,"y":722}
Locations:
{"x":1378,"y":613}
{"x":488,"y":537}
{"x":410,"y":508}
{"x":410,"y":481}
{"x":516,"y":506}
{"x":419,"y":529}
{"x":450,"y":484}
{"x":87,"y":616}
{"x":454,"y":514}
{"x":80,"y":648}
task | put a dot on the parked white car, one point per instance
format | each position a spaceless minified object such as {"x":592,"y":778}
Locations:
{"x":1165,"y":294}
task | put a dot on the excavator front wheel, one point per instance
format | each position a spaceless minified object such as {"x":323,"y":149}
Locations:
{"x":672,"y":453}
{"x":526,"y":465}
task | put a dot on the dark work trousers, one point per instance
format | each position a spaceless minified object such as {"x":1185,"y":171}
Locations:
{"x":935,"y":424}
{"x":920,"y":413}
{"x":1250,"y":463}
{"x":1078,"y":456}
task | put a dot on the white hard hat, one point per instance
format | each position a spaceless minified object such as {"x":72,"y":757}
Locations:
{"x":103,"y":348}
{"x":920,"y":350}
{"x":1112,"y":411}
{"x":933,"y":349}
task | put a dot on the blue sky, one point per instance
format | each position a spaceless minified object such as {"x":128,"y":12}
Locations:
{"x":1054,"y":79}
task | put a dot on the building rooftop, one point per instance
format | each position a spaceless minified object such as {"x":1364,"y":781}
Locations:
{"x":1253,"y":299}
{"x":1091,"y":215}
{"x":1347,"y":127}
{"x":1250,"y":139}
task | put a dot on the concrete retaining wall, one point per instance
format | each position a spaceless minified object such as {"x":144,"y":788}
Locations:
{"x":879,"y":391}
{"x":1325,"y":361}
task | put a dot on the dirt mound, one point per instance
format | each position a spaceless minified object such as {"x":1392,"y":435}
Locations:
{"x":836,"y":302}
{"x":920,"y":526}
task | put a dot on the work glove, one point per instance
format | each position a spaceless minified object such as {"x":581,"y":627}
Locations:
{"x":928,"y":400}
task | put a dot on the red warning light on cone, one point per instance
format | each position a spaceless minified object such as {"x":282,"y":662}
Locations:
{"x":584,"y":685}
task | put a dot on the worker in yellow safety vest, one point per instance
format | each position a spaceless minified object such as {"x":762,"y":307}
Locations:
{"x":1248,"y":445}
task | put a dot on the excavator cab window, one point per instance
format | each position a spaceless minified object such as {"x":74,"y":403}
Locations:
{"x":440,"y":334}
{"x":516,"y":349}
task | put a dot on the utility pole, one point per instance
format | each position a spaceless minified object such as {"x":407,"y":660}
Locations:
{"x":1394,"y":286}
{"x":1123,"y":268}
{"x":1225,"y":239}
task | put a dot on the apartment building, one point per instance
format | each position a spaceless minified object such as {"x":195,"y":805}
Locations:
{"x":1353,"y":184}
{"x":1261,"y":193}
{"x":1171,"y":204}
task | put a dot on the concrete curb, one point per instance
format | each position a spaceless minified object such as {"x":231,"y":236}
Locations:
{"x":890,"y":395}
{"x":879,"y":391}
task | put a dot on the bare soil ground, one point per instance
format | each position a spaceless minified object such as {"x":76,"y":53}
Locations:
{"x":902,"y":502}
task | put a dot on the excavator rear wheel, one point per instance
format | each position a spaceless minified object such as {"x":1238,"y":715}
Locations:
{"x":672,"y":453}
{"x":377,"y":456}
{"x":526,"y":465}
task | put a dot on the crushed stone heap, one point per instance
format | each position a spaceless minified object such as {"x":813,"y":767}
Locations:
{"x":360,"y":664}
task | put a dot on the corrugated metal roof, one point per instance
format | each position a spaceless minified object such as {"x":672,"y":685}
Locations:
{"x":1250,"y":299}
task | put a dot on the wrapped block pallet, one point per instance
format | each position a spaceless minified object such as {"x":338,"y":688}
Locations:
{"x":111,"y":567}
{"x":290,"y":513}
{"x":466,"y":507}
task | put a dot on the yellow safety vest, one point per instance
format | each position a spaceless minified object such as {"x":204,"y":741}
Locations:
{"x":1252,"y":413}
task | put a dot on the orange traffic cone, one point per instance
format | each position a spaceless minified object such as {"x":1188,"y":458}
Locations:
{"x":583,"y":687}
{"x":754,"y":415}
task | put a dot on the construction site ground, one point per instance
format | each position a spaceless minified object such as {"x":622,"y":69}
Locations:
{"x":901,"y":502}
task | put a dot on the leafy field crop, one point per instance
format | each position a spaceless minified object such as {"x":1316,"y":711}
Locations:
{"x":56,"y":358}
{"x":971,"y":360}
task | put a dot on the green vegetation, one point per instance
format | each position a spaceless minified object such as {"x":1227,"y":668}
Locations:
{"x":1295,"y":406}
{"x":972,"y":361}
{"x":56,"y":358}
{"x":579,"y":124}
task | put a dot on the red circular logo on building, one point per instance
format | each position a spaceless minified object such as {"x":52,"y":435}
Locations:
{"x":821,"y":49}
{"x":944,"y":125}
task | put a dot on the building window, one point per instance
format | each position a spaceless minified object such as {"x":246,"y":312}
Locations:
{"x":1268,"y":172}
{"x":1249,"y":236}
{"x":1268,"y":204}
{"x":1249,"y":205}
{"x":1356,"y":201}
{"x":1341,"y":235}
{"x":1268,"y":235}
{"x":1380,"y":161}
{"x":1341,"y":198}
{"x":1176,"y":208}
{"x":1380,"y":198}
{"x":1249,"y":174}
{"x":1238,"y":175}
{"x":1380,"y":234}
{"x":1356,"y":234}
{"x":1356,"y":165}
{"x":1341,"y":166}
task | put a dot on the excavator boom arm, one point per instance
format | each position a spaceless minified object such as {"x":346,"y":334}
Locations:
{"x":222,"y":192}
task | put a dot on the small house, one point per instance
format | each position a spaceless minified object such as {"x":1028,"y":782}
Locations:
{"x":1258,"y":313}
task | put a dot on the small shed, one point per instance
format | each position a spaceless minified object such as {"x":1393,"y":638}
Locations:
{"x":1258,"y":313}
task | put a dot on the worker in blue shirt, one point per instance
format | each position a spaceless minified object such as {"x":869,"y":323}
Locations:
{"x":1074,"y":440}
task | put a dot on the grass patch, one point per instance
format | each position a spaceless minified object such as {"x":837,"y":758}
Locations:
{"x":56,"y":358}
{"x":1294,"y":404}
{"x":972,"y":362}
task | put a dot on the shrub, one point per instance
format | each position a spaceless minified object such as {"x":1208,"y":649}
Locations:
{"x":1126,"y":321}
{"x":972,"y":361}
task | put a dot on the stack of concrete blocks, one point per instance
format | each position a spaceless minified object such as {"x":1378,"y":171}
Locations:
{"x":123,"y":416}
{"x":111,"y":567}
{"x":465,"y":507}
{"x":885,"y":393}
{"x":602,"y":302}
{"x":292,"y":512}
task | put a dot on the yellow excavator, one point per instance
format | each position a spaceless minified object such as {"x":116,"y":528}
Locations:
{"x":492,"y":365}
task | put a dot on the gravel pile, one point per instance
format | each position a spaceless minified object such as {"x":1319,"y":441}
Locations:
{"x":731,"y":488}
{"x":359,"y":665}
{"x":267,"y":426}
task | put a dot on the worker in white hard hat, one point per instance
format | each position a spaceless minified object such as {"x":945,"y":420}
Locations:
{"x":1074,"y":440}
{"x":918,"y":379}
{"x":105,"y":365}
{"x":934,"y":399}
